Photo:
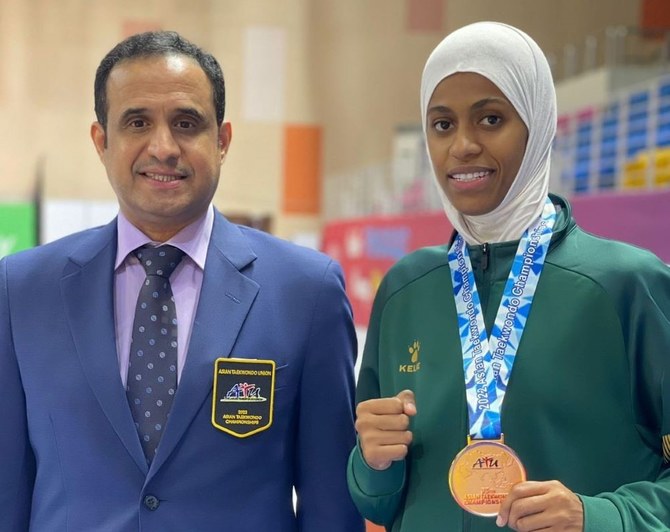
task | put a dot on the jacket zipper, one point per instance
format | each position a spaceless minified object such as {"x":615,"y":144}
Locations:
{"x":485,"y":257}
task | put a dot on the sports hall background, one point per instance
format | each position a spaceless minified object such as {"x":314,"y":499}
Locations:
{"x":323,"y":97}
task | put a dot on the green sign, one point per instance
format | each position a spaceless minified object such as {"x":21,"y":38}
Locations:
{"x":18,"y":222}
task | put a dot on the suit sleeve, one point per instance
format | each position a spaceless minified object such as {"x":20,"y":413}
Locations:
{"x":377,"y":494}
{"x":644,"y":310}
{"x":17,"y":463}
{"x":325,"y":422}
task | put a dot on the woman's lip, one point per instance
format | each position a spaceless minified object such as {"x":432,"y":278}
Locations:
{"x":468,"y":176}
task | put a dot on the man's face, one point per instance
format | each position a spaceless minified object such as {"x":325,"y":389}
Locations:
{"x":162,"y":149}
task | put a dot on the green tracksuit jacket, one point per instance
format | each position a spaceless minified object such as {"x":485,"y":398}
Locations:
{"x":588,"y":401}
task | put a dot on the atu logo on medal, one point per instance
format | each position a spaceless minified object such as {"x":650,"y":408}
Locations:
{"x":415,"y":363}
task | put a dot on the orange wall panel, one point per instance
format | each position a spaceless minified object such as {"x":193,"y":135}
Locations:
{"x":655,"y":14}
{"x":302,"y":169}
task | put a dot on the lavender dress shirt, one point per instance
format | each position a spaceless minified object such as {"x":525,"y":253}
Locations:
{"x":186,"y":282}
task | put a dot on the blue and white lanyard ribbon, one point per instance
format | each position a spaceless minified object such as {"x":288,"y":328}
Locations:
{"x":487,"y":362}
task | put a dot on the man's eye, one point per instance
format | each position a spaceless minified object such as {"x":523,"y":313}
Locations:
{"x":185,"y":124}
{"x":137,"y":122}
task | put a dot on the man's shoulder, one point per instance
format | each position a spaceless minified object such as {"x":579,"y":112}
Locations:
{"x":278,"y":249}
{"x":60,"y":251}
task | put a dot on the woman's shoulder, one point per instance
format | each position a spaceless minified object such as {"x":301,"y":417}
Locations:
{"x":416,"y":265}
{"x":422,"y":259}
{"x":610,"y":262}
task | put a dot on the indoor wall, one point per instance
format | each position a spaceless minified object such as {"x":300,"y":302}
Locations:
{"x":315,"y":88}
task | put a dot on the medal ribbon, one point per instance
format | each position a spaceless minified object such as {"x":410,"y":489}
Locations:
{"x":487,"y":362}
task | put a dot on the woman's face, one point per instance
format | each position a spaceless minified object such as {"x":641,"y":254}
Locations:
{"x":476,"y":141}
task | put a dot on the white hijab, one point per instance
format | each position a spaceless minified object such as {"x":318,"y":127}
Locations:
{"x":512,"y":61}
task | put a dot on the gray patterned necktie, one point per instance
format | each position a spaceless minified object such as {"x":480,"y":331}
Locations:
{"x":152,"y":371}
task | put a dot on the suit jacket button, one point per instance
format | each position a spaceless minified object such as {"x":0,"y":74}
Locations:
{"x":151,"y":502}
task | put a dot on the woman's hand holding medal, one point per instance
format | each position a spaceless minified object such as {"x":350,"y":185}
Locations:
{"x":541,"y":506}
{"x":383,"y":428}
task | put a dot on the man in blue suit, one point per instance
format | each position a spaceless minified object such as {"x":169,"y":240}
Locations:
{"x":263,"y":341}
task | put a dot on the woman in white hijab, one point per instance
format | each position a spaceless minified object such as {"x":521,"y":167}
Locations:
{"x":450,"y":438}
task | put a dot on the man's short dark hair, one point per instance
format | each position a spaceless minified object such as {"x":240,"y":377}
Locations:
{"x":158,"y":43}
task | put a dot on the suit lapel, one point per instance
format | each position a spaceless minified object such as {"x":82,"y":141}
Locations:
{"x":225,"y":300}
{"x":91,"y":278}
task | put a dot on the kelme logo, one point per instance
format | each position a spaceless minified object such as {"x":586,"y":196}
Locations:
{"x":415,"y":363}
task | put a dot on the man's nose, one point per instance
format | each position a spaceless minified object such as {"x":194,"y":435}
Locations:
{"x":163,"y":146}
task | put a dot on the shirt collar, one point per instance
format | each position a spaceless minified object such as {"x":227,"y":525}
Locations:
{"x":193,"y":239}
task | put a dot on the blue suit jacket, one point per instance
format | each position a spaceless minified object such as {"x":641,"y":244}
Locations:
{"x":70,"y":457}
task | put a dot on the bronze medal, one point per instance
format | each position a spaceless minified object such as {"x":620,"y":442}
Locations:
{"x":482,"y":475}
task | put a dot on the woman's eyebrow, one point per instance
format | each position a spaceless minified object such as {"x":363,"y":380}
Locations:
{"x":438,"y":109}
{"x":475,"y":106}
{"x":486,"y":101}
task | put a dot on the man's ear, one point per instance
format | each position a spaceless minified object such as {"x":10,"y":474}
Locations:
{"x":99,"y":138}
{"x":225,"y":137}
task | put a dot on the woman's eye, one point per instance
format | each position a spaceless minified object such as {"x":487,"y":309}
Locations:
{"x":491,"y":120}
{"x":442,"y":125}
